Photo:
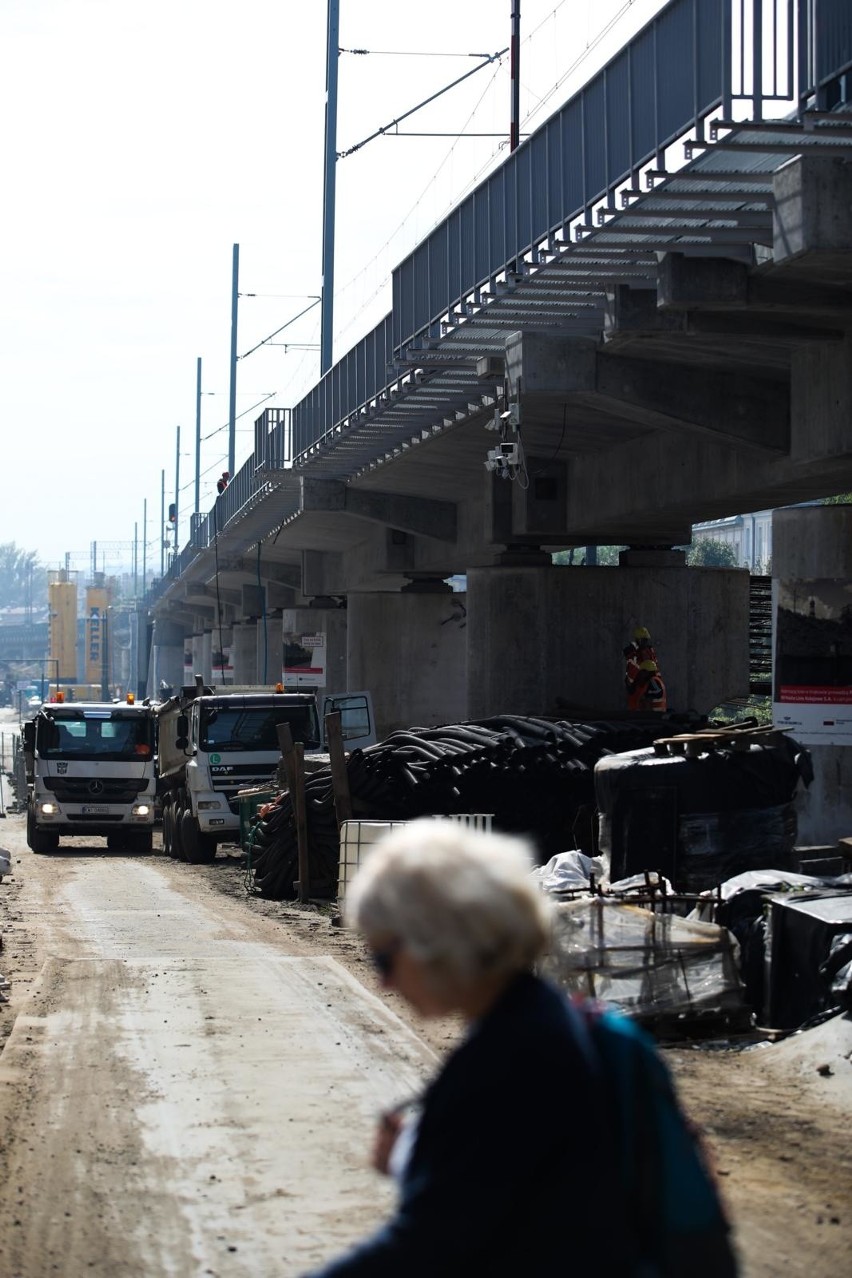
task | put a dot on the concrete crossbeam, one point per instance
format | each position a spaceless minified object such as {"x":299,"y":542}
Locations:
{"x":727,"y":404}
{"x":813,"y":197}
{"x":424,"y":516}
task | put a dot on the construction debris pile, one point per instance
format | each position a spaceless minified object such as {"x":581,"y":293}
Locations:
{"x":534,"y":776}
{"x":635,"y":830}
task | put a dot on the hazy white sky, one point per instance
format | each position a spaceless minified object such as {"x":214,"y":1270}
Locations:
{"x":140,"y":142}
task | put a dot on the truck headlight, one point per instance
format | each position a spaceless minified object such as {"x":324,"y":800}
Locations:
{"x":141,"y":809}
{"x":48,"y":809}
{"x":206,"y":805}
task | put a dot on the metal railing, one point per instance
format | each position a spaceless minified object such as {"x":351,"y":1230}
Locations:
{"x":825,"y":52}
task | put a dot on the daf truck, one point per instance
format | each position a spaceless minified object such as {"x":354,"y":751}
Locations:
{"x":212,"y":743}
{"x":90,"y":771}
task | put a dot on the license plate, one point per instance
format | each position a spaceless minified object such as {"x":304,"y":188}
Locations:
{"x":96,"y":810}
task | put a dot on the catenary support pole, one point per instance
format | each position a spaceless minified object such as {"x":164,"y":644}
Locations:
{"x":232,"y":411}
{"x":177,"y":489}
{"x":514,"y":71}
{"x":144,"y":545}
{"x":162,"y":522}
{"x":329,"y":186}
{"x":198,"y":435}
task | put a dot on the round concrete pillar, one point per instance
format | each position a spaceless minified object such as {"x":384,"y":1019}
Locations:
{"x":244,"y":652}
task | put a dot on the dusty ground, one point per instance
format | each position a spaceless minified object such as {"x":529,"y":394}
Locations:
{"x":190,"y":1077}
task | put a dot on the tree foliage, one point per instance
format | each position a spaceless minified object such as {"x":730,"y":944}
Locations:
{"x":607,"y":557}
{"x":709,"y":553}
{"x":22,"y":576}
{"x":841,"y":499}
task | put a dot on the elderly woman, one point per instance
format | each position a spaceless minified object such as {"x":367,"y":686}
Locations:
{"x":506,"y":1170}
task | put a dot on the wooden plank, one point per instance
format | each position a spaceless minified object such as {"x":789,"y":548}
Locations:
{"x":293,"y":759}
{"x":300,"y":810}
{"x":339,"y":772}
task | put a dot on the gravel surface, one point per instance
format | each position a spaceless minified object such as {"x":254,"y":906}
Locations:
{"x":190,"y":1077}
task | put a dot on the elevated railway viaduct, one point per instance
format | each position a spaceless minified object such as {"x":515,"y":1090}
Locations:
{"x":649,"y":303}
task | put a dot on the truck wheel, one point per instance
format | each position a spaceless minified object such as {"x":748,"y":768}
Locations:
{"x":39,"y":840}
{"x":177,"y":832}
{"x":168,"y":824}
{"x":199,"y":848}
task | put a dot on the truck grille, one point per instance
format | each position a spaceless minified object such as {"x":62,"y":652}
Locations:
{"x":107,"y":789}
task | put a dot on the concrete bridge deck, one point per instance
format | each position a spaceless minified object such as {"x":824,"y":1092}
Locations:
{"x":651,"y":297}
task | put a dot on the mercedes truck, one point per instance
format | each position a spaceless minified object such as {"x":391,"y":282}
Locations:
{"x":90,"y":771}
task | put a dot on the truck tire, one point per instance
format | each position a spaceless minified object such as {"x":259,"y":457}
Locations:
{"x":40,"y":841}
{"x":199,"y":849}
{"x":168,"y":827}
{"x":177,"y":830}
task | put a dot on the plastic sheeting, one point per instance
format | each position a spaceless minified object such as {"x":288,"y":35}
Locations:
{"x":568,"y":871}
{"x":800,"y":933}
{"x":650,"y":965}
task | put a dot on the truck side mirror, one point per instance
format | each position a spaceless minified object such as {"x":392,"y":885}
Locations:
{"x":182,"y":739}
{"x":29,"y":737}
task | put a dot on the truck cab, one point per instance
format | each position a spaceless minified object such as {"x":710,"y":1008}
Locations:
{"x":90,"y":771}
{"x":212,"y":743}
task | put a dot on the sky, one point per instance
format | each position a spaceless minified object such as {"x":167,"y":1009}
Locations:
{"x":141,"y":142}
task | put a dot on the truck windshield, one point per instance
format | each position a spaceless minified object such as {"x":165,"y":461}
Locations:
{"x":103,"y":736}
{"x":253,"y":727}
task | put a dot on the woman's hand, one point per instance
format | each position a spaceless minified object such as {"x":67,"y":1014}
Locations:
{"x":385,"y":1139}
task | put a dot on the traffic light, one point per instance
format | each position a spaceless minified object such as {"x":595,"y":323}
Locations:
{"x":172,"y":513}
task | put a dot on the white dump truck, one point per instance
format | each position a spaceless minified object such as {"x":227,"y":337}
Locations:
{"x":214,"y":742}
{"x":90,"y":771}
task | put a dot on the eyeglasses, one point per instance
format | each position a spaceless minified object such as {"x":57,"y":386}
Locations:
{"x":383,"y":959}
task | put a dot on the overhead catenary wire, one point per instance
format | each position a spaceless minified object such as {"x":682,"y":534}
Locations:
{"x":527,"y":40}
{"x":411,"y":53}
{"x":489,"y":59}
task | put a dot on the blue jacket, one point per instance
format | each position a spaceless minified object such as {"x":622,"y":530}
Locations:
{"x":509,"y":1173}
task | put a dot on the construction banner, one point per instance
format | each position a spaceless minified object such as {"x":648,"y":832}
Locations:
{"x":812,"y":667}
{"x":304,"y":660}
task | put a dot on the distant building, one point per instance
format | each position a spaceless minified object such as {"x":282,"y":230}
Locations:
{"x":750,"y":536}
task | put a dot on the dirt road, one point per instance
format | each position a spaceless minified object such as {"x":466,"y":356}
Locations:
{"x":186,"y":1089}
{"x":190,"y":1080}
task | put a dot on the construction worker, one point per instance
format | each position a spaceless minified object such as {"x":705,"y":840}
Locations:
{"x":642,"y":679}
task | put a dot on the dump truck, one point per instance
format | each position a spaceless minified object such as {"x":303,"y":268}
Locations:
{"x":90,"y":770}
{"x":214,"y":742}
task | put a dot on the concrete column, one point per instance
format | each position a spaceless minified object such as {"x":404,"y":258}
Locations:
{"x":270,"y":648}
{"x":205,"y":656}
{"x":244,"y":652}
{"x":331,"y":623}
{"x":196,"y":648}
{"x":166,"y":664}
{"x":812,"y":551}
{"x":222,"y":636}
{"x":409,"y":651}
{"x":539,"y":636}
